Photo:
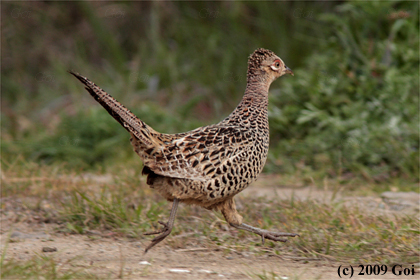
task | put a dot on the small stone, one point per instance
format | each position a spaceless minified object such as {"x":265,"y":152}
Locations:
{"x":17,"y":234}
{"x":410,"y":197}
{"x":144,"y":263}
{"x":49,"y":249}
{"x":178,"y":270}
{"x":394,"y":189}
{"x":399,"y":201}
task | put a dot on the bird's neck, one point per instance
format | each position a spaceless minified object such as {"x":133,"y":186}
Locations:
{"x":256,"y":95}
{"x":252,"y":110}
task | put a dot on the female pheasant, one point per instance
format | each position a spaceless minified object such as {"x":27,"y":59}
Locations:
{"x":209,"y":165}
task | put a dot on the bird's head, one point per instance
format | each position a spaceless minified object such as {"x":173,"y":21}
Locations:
{"x":265,"y":66}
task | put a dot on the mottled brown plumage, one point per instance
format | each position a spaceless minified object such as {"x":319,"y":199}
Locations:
{"x":209,"y":165}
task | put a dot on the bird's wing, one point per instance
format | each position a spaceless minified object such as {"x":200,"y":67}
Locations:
{"x":201,"y":154}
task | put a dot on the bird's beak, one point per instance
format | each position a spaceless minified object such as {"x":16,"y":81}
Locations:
{"x":289,"y":71}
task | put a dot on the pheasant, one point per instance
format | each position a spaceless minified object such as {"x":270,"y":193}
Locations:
{"x":209,"y":165}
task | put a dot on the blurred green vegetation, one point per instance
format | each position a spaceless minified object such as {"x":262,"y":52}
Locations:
{"x":351,"y":110}
{"x":354,"y":106}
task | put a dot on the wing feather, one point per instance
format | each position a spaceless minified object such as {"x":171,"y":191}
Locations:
{"x":199,"y":153}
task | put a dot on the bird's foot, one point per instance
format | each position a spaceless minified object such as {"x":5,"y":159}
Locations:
{"x":275,"y":236}
{"x":164,"y":232}
{"x":165,"y":228}
{"x":265,"y":234}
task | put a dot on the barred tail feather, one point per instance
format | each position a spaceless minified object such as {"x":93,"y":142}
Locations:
{"x":118,"y":111}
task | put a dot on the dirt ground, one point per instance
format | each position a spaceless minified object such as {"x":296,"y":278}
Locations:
{"x":107,"y":257}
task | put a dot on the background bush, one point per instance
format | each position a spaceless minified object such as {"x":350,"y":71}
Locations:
{"x":350,"y":110}
{"x":353,"y":106}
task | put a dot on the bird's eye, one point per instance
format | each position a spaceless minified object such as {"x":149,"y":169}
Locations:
{"x":276,"y":65}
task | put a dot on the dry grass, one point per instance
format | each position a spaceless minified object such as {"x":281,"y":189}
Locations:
{"x":122,"y":204}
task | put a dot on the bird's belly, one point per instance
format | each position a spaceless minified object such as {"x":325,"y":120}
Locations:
{"x":203,"y":193}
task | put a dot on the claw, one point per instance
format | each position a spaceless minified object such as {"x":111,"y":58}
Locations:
{"x":163,"y":223}
{"x":164,"y":232}
{"x":165,"y":228}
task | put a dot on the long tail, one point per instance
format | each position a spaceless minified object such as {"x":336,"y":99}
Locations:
{"x":128,"y":120}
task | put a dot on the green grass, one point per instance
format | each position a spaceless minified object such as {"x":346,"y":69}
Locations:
{"x":124,"y":205}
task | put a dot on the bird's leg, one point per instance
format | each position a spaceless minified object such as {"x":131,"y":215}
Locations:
{"x":167,"y":227}
{"x":234,"y":219}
